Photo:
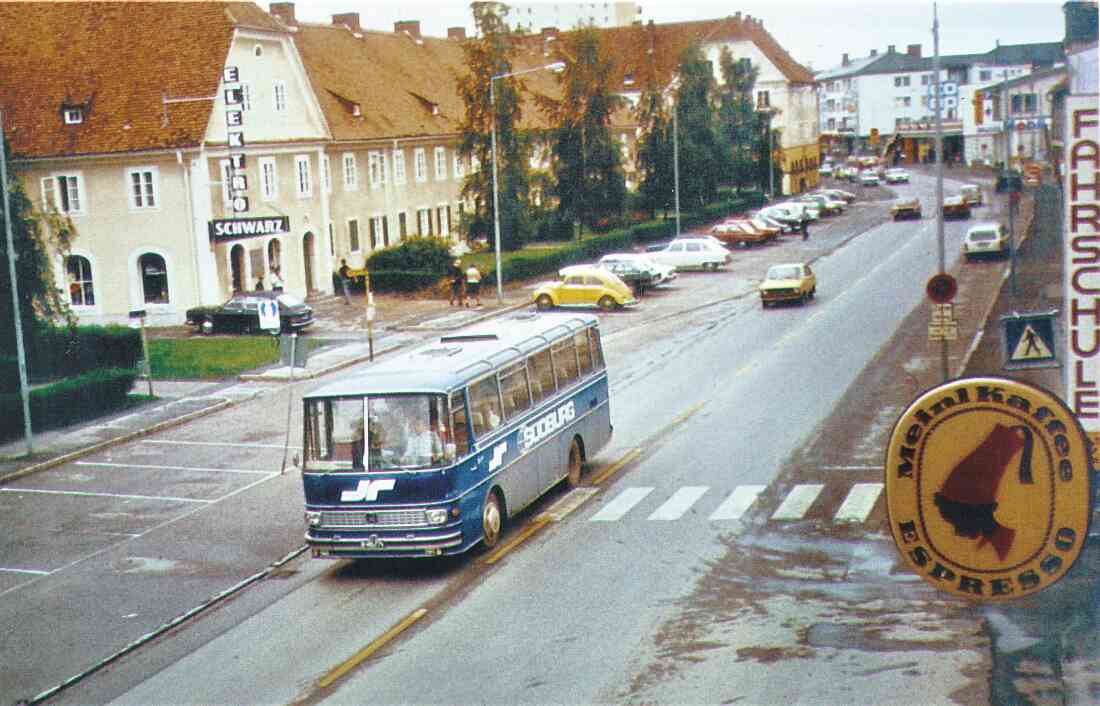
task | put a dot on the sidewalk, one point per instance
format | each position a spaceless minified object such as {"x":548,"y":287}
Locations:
{"x":399,"y":321}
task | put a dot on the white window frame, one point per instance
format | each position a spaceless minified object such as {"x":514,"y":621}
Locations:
{"x":92,"y":267}
{"x":74,"y":116}
{"x":303,"y":176}
{"x":459,"y":166}
{"x":50,"y":195}
{"x":379,"y":229}
{"x":399,"y":166}
{"x":420,"y":165}
{"x":269,"y":179}
{"x":358,"y":235}
{"x":279,"y":103}
{"x":376,"y":168}
{"x":246,"y":96}
{"x":440,"y":163}
{"x":351,"y":172}
{"x":139,"y":202}
{"x":423,"y":220}
{"x":326,"y":174}
{"x":441,"y":213}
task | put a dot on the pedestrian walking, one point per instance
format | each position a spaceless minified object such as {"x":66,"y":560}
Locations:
{"x":473,"y":285}
{"x":276,"y":280}
{"x":458,"y":280}
{"x":260,"y":283}
{"x":343,"y":274}
{"x":805,"y":228}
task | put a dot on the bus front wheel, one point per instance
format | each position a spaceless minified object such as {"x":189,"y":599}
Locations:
{"x":576,"y":460}
{"x":492,"y":520}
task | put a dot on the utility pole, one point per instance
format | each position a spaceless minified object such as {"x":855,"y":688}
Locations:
{"x":24,"y":389}
{"x":939,"y":169}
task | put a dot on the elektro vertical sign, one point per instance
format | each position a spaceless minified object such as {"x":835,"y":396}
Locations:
{"x":1082,"y":260}
{"x":234,"y":130}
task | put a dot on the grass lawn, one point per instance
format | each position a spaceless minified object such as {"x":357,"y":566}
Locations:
{"x":215,"y":357}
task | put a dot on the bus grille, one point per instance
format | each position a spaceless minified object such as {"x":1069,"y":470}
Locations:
{"x":379,"y":518}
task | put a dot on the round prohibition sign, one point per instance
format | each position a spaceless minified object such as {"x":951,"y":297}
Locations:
{"x":942,"y":288}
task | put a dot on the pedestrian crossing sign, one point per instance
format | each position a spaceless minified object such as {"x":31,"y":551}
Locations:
{"x":1029,"y":340}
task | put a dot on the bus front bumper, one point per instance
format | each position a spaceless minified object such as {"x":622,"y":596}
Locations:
{"x":388,"y":544}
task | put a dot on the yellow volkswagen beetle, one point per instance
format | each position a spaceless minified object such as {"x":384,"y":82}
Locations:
{"x":585,"y":285}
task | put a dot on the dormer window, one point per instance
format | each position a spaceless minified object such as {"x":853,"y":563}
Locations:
{"x":73,"y":116}
{"x":628,"y":80}
{"x":355,"y":111}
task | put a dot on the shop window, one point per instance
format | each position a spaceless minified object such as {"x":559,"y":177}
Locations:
{"x":79,"y":272}
{"x":154,"y":278}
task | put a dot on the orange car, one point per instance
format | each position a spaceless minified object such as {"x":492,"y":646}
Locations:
{"x":740,"y":231}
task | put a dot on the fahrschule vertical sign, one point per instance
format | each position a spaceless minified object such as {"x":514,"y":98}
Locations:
{"x":1081,"y":260}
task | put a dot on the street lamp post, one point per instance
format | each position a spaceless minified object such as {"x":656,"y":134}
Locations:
{"x":675,"y":151}
{"x":556,"y":67}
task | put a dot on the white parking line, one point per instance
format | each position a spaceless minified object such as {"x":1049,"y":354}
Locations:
{"x":738,"y":503}
{"x":621,"y":504}
{"x":217,"y":443}
{"x":861,"y":499}
{"x":4,"y":569}
{"x":172,"y":468}
{"x":680,"y":502}
{"x":85,"y":493}
{"x":797,"y":502}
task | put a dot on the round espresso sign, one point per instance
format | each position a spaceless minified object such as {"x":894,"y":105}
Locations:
{"x":987,"y":488}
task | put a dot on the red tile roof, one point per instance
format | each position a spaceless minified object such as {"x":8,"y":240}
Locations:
{"x":118,"y":59}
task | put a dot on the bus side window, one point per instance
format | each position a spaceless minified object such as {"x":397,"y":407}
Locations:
{"x":565,"y":362}
{"x":460,"y":432}
{"x":584,"y":351}
{"x":485,"y":404}
{"x":542,"y":375}
{"x":597,"y":348}
{"x":513,"y":387}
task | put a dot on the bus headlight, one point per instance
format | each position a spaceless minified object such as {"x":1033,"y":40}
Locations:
{"x":313,"y":519}
{"x":436,"y":516}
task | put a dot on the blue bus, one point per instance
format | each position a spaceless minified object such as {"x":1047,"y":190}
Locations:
{"x":430,"y":452}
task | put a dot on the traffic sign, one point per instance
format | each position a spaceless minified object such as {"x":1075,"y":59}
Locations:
{"x":1029,"y":341}
{"x":942,"y":288}
{"x":269,"y":315}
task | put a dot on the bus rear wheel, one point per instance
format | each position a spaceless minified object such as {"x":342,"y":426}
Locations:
{"x":576,"y":461}
{"x":492,"y":520}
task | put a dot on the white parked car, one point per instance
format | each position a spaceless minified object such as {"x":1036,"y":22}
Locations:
{"x":985,"y":239}
{"x":838,"y":194}
{"x":693,"y":254}
{"x":897,"y":175}
{"x":805,"y":211}
{"x":661,"y":273}
{"x":868,"y":177}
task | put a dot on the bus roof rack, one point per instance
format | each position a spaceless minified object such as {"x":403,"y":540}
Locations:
{"x":460,"y":337}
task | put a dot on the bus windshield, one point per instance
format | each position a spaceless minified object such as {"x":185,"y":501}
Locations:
{"x":401,"y":432}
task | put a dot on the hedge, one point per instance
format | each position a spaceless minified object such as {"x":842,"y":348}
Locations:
{"x":403,"y":280}
{"x":75,"y":399}
{"x":61,"y":351}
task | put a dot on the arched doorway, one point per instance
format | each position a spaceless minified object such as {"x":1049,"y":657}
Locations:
{"x":307,"y":260}
{"x":236,"y":266}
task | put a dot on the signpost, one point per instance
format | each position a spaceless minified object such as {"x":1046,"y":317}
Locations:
{"x":147,"y":368}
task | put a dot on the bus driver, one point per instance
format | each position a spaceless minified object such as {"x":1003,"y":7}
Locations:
{"x":423,"y":445}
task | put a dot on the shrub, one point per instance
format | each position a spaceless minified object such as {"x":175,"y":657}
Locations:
{"x":403,"y":280}
{"x":414,"y":264}
{"x":63,"y":351}
{"x":75,"y":399}
{"x":653,"y":230}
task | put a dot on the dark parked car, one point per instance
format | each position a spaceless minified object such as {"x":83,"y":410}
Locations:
{"x":241,"y":314}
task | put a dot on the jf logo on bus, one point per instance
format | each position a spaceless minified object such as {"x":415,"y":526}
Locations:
{"x":989,"y":488}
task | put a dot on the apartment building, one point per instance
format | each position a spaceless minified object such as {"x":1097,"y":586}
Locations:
{"x":531,"y":17}
{"x":887,"y":100}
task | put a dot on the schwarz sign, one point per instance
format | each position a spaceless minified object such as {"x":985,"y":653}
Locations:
{"x":988,"y":488}
{"x":237,"y":228}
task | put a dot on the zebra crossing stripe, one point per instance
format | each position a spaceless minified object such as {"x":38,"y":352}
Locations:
{"x":680,"y":502}
{"x":738,"y":502}
{"x":621,"y":505}
{"x":861,"y":499}
{"x":798,"y":501}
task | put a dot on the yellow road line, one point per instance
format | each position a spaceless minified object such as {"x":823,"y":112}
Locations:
{"x":363,"y":654}
{"x":614,"y":468}
{"x":535,"y":525}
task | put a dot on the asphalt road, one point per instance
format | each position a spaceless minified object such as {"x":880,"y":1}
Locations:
{"x":713,"y":391}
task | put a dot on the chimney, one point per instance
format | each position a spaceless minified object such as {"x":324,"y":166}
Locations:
{"x":874,"y":52}
{"x":349,"y":20}
{"x":844,"y":60}
{"x":284,"y":11}
{"x":890,"y":48}
{"x":409,"y":27}
{"x":913,"y":51}
{"x":737,"y":16}
{"x":457,"y":34}
{"x":549,"y":33}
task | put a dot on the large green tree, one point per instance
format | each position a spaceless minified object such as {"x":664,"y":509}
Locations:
{"x":742,"y":127}
{"x":654,"y":158}
{"x":35,"y":236}
{"x":700,"y":150}
{"x":490,"y":103}
{"x":586,"y":159}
